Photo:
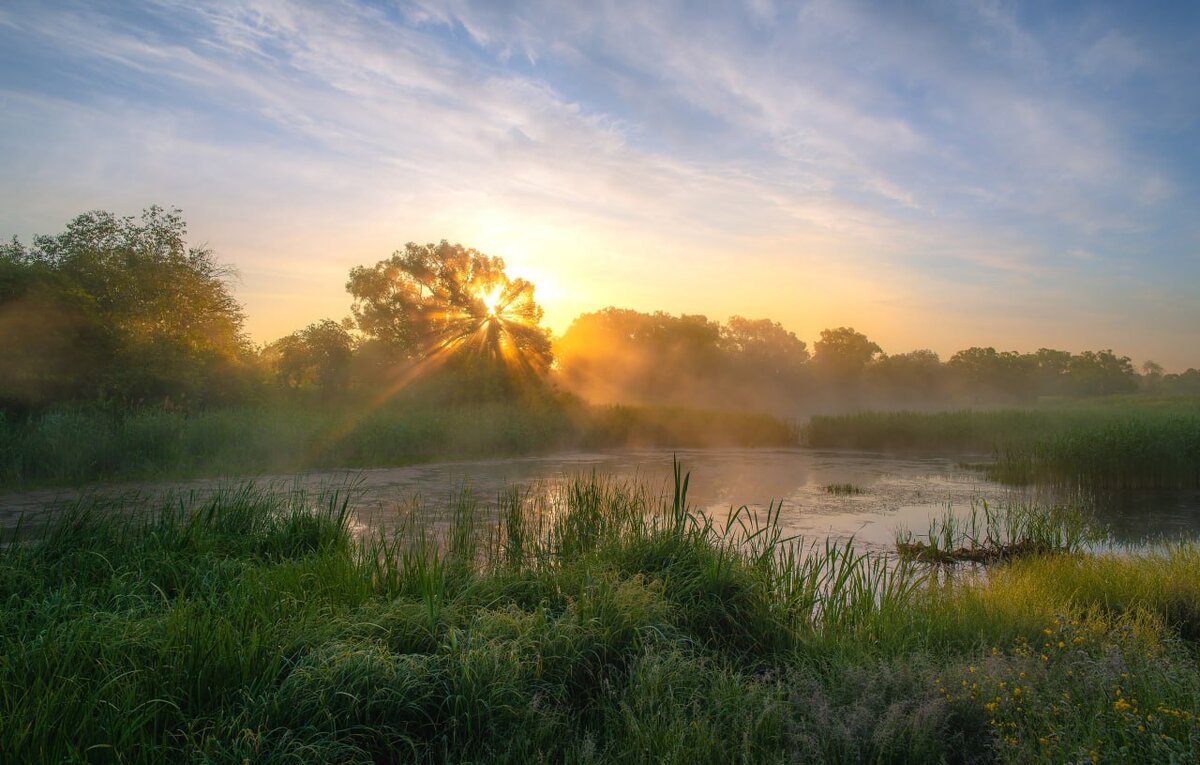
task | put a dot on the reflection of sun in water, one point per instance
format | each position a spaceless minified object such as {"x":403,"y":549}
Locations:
{"x":491,"y":300}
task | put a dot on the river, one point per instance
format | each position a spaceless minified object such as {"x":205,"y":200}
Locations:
{"x":896,"y":491}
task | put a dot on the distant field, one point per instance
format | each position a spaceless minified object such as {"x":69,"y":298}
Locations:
{"x":250,"y":627}
{"x":1125,"y":442}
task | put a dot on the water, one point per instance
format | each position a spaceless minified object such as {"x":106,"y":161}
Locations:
{"x":896,"y":491}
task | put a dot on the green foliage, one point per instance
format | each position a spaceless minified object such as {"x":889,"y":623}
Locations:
{"x":120,"y":309}
{"x":440,"y":303}
{"x":844,"y":353}
{"x":602,"y":624}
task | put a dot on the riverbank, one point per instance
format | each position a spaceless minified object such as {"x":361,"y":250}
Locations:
{"x":597,"y":625}
{"x":1129,"y":442}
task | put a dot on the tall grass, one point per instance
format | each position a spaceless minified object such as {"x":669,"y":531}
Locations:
{"x":1130,"y":443}
{"x":76,"y":445}
{"x":990,"y":533}
{"x":597,"y":624}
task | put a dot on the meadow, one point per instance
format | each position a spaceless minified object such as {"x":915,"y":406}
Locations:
{"x":1133,"y":442}
{"x":80,"y":444}
{"x":599,"y":624}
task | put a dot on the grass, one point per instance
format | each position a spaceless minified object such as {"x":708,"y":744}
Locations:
{"x":598,"y":624}
{"x":77,"y":445}
{"x":1127,"y":443}
{"x":988,"y":534}
{"x":843,"y":489}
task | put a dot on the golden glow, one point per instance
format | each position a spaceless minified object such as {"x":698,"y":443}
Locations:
{"x":491,"y":300}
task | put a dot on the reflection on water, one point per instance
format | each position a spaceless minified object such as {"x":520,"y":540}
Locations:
{"x":896,"y":491}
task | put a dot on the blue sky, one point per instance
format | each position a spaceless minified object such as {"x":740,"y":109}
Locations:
{"x":935,"y":174}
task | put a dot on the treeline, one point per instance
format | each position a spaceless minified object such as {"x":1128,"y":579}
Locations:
{"x":123,"y":312}
{"x":621,"y":355}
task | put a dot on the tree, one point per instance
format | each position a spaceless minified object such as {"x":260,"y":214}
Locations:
{"x":986,"y":371}
{"x":1050,"y":370}
{"x":158,"y":316}
{"x":764,"y":347}
{"x":1100,"y":373}
{"x":1152,"y":376}
{"x":317,"y":356}
{"x":843,"y":353}
{"x":914,"y":375}
{"x":444,"y":305}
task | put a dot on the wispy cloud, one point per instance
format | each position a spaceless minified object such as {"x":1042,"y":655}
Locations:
{"x":870,"y":149}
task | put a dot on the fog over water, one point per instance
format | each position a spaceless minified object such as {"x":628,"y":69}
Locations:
{"x":895,"y":491}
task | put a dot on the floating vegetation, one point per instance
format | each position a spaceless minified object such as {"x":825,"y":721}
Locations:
{"x":989,"y":534}
{"x":843,"y":489}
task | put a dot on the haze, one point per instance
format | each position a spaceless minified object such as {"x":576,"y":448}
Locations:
{"x":944,"y":176}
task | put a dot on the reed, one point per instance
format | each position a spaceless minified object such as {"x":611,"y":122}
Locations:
{"x":1127,"y":443}
{"x":988,"y":533}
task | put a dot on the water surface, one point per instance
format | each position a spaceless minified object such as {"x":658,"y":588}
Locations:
{"x":896,"y":490}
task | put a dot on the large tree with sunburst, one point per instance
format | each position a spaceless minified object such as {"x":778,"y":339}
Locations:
{"x":439,"y":305}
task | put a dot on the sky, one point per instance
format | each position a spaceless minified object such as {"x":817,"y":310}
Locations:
{"x":935,"y":174}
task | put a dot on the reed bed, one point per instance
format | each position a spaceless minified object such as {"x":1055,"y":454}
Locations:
{"x":596,"y":623}
{"x":1127,"y":444}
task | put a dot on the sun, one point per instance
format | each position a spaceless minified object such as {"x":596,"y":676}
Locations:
{"x":491,"y":300}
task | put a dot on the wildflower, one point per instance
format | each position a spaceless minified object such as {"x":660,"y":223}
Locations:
{"x":1044,"y":741}
{"x":1121,"y":705}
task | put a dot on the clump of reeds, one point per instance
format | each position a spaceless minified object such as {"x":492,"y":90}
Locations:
{"x":843,"y":489}
{"x":989,"y":533}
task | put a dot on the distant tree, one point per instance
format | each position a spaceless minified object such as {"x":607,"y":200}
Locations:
{"x":1151,"y":379}
{"x":1100,"y":373}
{"x":623,"y":355}
{"x":1152,"y":369}
{"x":914,"y":375}
{"x":1184,"y":384}
{"x":317,"y":356}
{"x":985,"y":372}
{"x":444,"y":305}
{"x":155,"y":319}
{"x":763,"y":346}
{"x":844,"y":353}
{"x":1049,"y":369}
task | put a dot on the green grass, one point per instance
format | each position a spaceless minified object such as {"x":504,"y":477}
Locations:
{"x":77,"y":445}
{"x":596,"y":625}
{"x":1141,"y":443}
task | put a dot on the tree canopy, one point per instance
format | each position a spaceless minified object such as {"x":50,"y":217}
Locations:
{"x":445,"y":305}
{"x":123,"y":309}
